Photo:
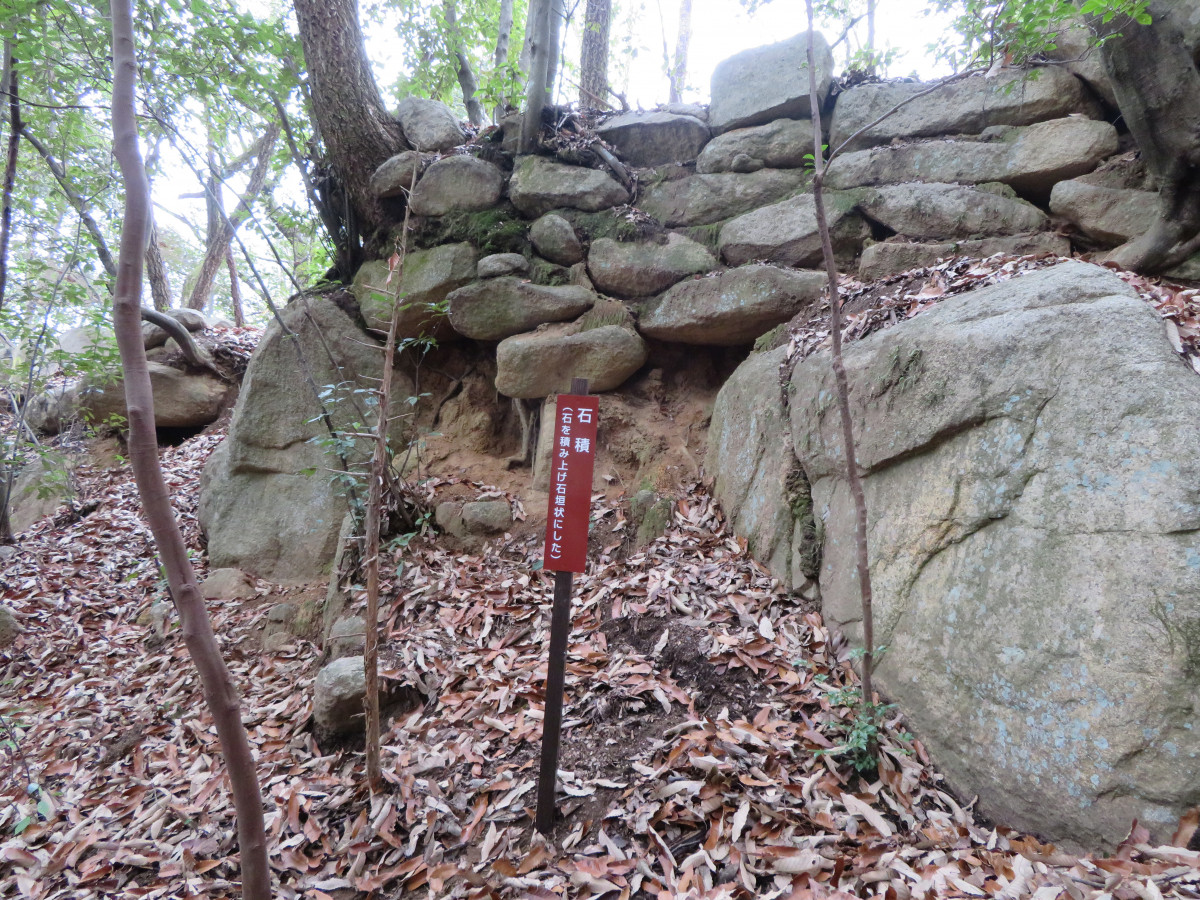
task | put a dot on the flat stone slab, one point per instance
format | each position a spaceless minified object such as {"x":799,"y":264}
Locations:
{"x":782,"y":144}
{"x":705,"y":199}
{"x":1031,"y":160}
{"x":964,"y":107}
{"x":1109,"y":216}
{"x":645,"y":268}
{"x":734,"y":307}
{"x":544,"y":362}
{"x":942,"y":211}
{"x":500,"y":307}
{"x":539,"y":185}
{"x":786,"y":233}
{"x":888,"y":258}
{"x":655,"y":138}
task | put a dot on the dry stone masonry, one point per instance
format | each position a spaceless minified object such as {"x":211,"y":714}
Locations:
{"x":1029,"y":449}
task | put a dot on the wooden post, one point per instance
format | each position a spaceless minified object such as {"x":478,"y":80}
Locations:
{"x":560,"y":631}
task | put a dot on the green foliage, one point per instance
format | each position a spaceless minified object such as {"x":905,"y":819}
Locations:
{"x":862,"y":724}
{"x":991,"y":31}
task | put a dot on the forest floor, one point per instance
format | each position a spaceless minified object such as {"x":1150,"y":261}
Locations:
{"x":706,"y":747}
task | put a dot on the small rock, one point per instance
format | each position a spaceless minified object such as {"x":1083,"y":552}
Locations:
{"x":487,"y":516}
{"x":277,"y":641}
{"x":281,"y":618}
{"x":555,"y":239}
{"x":782,"y":144}
{"x":448,"y":516}
{"x":10,"y":628}
{"x":395,"y":177}
{"x":429,"y":124}
{"x":338,"y":695}
{"x":347,"y":637}
{"x":229,"y":584}
{"x":502,"y":264}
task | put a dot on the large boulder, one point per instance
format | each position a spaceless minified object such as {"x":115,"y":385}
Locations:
{"x":889,"y":257}
{"x":499,"y":307}
{"x":654,"y":138}
{"x":772,"y":82}
{"x":963,"y":107}
{"x":539,"y":185}
{"x":270,"y":501}
{"x":786,"y":233}
{"x":1109,"y":216}
{"x":181,"y":399}
{"x":1074,"y":48}
{"x":1028,"y":453}
{"x":706,"y":199}
{"x":735,"y":307}
{"x":40,"y":488}
{"x":457,"y":184}
{"x":427,"y":279}
{"x":1031,"y":160}
{"x":645,"y":268}
{"x":429,"y":125}
{"x":947,"y":211}
{"x":543,"y":362}
{"x":757,"y":479}
{"x":782,"y":144}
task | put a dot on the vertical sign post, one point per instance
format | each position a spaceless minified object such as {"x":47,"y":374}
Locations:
{"x":572,"y":459}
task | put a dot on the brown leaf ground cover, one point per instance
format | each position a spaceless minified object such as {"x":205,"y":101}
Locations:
{"x":705,"y":744}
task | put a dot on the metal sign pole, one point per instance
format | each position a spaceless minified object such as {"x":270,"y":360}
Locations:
{"x":560,"y":631}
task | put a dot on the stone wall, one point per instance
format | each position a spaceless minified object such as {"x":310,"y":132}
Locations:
{"x":703,"y":237}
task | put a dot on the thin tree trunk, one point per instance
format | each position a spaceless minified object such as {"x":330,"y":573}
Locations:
{"x":682,"y":46}
{"x":466,"y":76}
{"x":539,"y":48}
{"x":556,"y":44}
{"x":593,"y":57}
{"x":77,"y":203}
{"x":504,"y":32}
{"x":839,"y":375}
{"x":380,"y":473}
{"x":9,"y":83}
{"x":220,"y":237}
{"x":235,"y":289}
{"x":156,"y":270}
{"x":219,"y":691}
{"x":871,"y":36}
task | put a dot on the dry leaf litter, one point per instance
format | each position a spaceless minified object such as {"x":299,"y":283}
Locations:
{"x":702,"y":738}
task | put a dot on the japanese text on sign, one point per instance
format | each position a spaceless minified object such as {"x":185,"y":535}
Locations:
{"x":572,"y":459}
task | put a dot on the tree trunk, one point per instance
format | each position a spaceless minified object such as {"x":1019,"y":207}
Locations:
{"x":1158,"y":92}
{"x":682,"y":46}
{"x":218,"y":688}
{"x":156,"y":271}
{"x":222,"y":227}
{"x":8,"y":82}
{"x":558,"y":32}
{"x":357,"y":132}
{"x":504,"y":32}
{"x":235,"y":289}
{"x":538,"y":49}
{"x":593,"y":58}
{"x":466,"y":76}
